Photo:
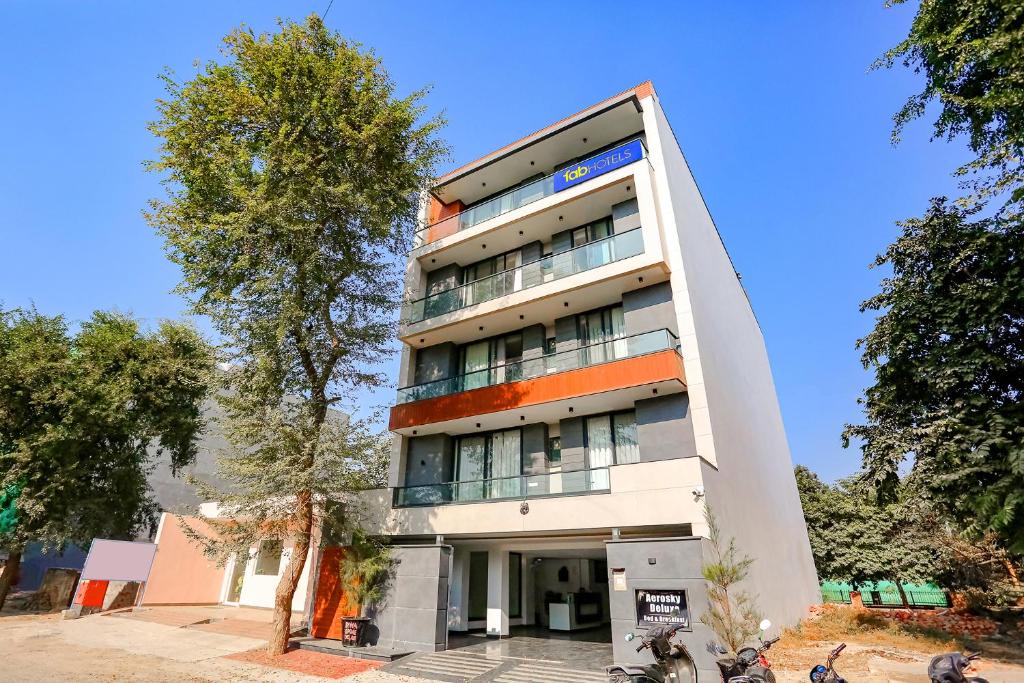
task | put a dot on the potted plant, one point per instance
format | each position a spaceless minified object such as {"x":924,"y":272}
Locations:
{"x":364,"y":570}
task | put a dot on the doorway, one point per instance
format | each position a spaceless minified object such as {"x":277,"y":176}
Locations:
{"x":236,"y":577}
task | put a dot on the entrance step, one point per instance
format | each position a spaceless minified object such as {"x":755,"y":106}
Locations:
{"x":335,"y":647}
{"x":539,"y":673}
{"x":447,"y":666}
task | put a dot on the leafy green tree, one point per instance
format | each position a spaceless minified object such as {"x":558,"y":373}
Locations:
{"x":855,"y":539}
{"x":732,"y":613}
{"x":79,"y":416}
{"x":947,"y":351}
{"x":293,"y":174}
{"x":971,"y":53}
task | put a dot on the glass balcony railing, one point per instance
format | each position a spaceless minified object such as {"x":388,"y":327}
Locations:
{"x":552,"y":267}
{"x":585,"y":356}
{"x":496,"y":206}
{"x":504,"y":488}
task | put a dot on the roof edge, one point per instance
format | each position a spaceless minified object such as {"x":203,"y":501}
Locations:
{"x":639,"y":91}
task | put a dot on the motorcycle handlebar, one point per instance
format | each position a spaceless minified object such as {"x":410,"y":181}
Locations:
{"x":641,"y":648}
{"x":842,"y":646}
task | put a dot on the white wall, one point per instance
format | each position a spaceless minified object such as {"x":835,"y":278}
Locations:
{"x":748,"y":472}
{"x":259,"y":590}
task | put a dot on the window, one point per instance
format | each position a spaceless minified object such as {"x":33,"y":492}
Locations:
{"x":492,"y":361}
{"x":594,"y":231}
{"x":555,"y":449}
{"x":611,"y":439}
{"x":497,"y":458}
{"x":268,"y":557}
{"x":550,"y":345}
{"x":601,"y":333}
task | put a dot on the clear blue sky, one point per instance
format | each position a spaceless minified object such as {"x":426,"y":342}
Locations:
{"x":785,"y":129}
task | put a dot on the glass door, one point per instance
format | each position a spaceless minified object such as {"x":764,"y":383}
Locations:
{"x":235,"y":580}
{"x":600,"y":450}
{"x":470,"y":468}
{"x":476,"y":365}
{"x":506,"y":464}
{"x":602,"y":332}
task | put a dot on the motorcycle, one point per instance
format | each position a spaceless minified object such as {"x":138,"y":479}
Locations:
{"x":750,"y":664}
{"x":825,"y":673}
{"x":950,"y":668}
{"x":672,"y":661}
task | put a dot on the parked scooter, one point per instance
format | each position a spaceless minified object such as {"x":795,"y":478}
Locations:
{"x":950,"y":668}
{"x":672,"y":661}
{"x":825,"y":673}
{"x":750,"y":664}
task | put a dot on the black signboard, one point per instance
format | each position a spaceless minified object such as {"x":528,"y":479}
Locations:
{"x":657,"y":606}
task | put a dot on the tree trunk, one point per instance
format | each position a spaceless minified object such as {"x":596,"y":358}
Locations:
{"x":1011,"y":571}
{"x":903,"y":595}
{"x":278,"y":644}
{"x":9,"y":574}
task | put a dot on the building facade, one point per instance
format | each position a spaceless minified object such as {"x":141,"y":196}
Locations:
{"x":581,"y":373}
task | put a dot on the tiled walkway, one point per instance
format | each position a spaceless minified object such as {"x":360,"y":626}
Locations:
{"x":529,"y":657}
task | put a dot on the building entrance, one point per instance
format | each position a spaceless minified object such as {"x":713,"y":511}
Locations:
{"x":530,"y":591}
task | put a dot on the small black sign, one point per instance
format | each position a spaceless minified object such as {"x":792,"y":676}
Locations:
{"x":657,"y":606}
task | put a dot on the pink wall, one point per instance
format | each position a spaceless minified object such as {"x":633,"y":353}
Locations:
{"x":181,"y":574}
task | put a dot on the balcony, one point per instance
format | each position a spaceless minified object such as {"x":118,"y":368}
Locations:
{"x":593,"y":354}
{"x":600,"y":371}
{"x":576,"y":482}
{"x":553,"y":267}
{"x":515,"y":198}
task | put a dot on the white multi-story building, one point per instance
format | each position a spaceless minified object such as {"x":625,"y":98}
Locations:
{"x":581,"y":373}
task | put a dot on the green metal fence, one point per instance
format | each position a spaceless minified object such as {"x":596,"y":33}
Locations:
{"x":887,"y":595}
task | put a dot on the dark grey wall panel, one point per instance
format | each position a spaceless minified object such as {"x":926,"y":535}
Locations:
{"x":444,"y":278}
{"x":573,"y":451}
{"x":428,"y":460}
{"x":676,"y":565}
{"x":535,"y":438}
{"x":414,"y":612}
{"x":436,"y":362}
{"x":626,"y":216}
{"x":649,"y":309}
{"x":664,"y":428}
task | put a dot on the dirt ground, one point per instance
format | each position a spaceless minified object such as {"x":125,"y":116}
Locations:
{"x":42,"y":647}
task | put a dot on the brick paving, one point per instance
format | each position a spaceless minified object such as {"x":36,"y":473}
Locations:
{"x":309,"y":663}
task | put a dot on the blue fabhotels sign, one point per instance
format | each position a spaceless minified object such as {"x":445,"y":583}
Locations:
{"x":596,"y":165}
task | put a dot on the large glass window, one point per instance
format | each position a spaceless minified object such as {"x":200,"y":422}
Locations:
{"x":489,"y":465}
{"x":493,"y":277}
{"x":611,"y":439}
{"x":492,"y":361}
{"x":601,"y":333}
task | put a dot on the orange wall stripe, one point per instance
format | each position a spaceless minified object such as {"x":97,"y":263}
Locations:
{"x":620,"y":374}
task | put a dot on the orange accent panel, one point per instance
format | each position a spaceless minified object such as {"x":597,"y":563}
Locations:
{"x":443,"y":219}
{"x":181,"y":574}
{"x":91,"y":593}
{"x":620,"y":374}
{"x":329,"y":604}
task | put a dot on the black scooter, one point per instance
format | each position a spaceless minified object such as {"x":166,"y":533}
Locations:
{"x":672,"y":661}
{"x":950,"y":668}
{"x":750,"y":664}
{"x":824,"y":673}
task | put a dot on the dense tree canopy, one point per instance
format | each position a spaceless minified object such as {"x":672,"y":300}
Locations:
{"x":971,"y":54}
{"x":80,"y":416}
{"x":293,"y":172}
{"x":855,"y":539}
{"x":948,"y":355}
